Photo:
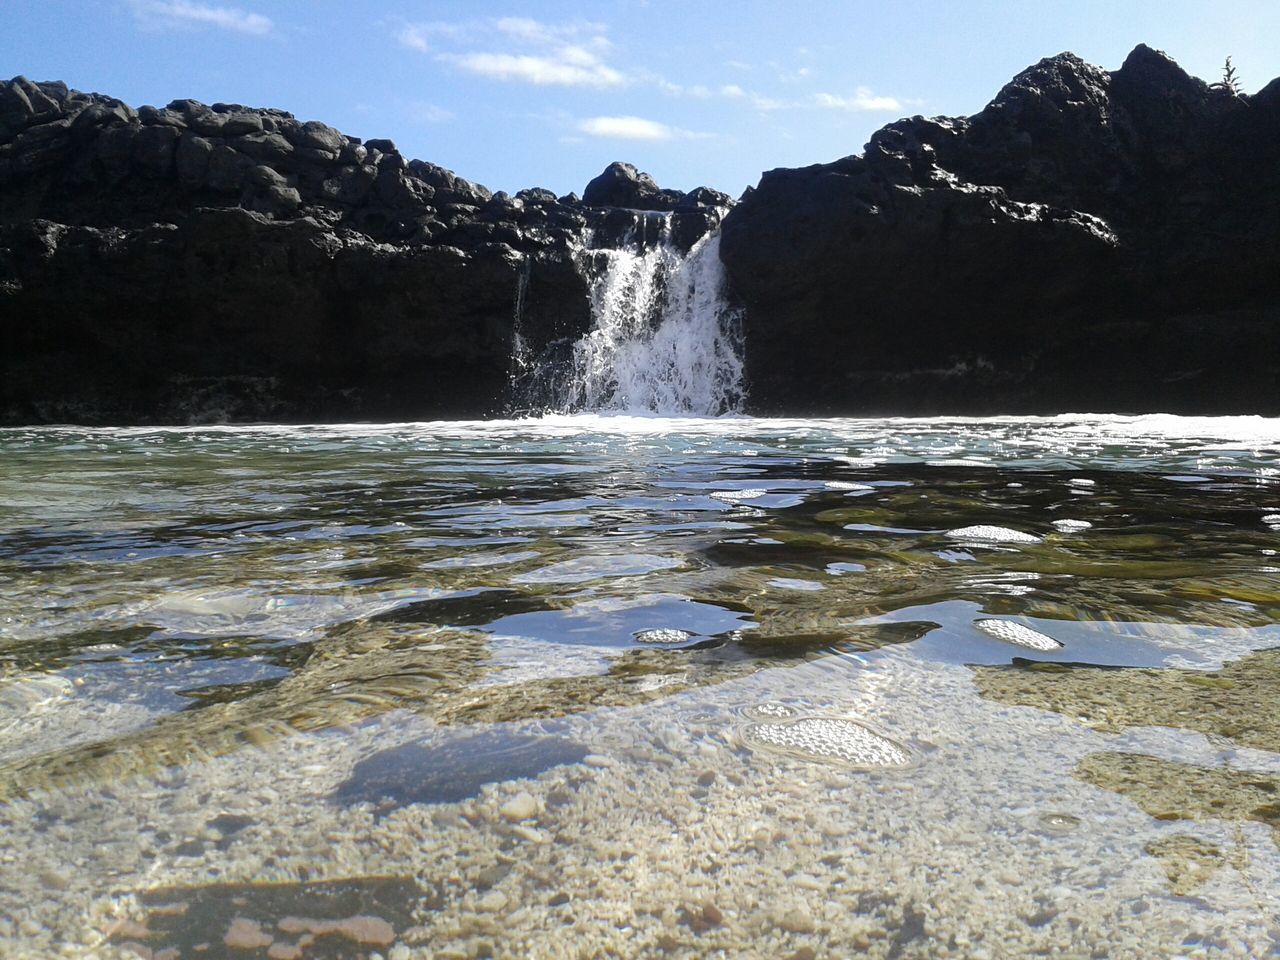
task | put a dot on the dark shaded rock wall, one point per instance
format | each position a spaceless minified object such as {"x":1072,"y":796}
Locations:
{"x":205,"y":263}
{"x":1090,"y":241}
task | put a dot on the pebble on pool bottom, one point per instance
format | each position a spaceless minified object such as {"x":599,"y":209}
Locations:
{"x":1011,"y":632}
{"x":827,"y":738}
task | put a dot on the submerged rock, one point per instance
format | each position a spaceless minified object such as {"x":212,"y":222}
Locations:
{"x":1235,"y":702}
{"x":1171,"y":790}
{"x":456,"y":770}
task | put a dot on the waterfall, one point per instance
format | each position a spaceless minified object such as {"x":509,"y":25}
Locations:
{"x":663,"y":338}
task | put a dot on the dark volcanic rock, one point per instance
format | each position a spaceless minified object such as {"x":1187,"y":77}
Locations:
{"x":622,"y":185}
{"x":1089,"y":241}
{"x":197,"y":263}
{"x":218,"y":262}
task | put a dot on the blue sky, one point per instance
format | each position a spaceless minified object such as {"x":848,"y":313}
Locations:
{"x":546,"y":94}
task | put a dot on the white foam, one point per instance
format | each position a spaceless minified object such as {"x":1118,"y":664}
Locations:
{"x":664,"y":339}
{"x":1071,"y":526}
{"x":1023,"y":636}
{"x":985,"y":533}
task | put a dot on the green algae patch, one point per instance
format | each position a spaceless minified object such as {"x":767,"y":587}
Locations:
{"x":1187,"y":861}
{"x":1170,"y":790}
{"x":1237,"y":702}
{"x":326,"y":919}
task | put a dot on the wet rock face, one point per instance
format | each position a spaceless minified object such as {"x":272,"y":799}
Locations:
{"x":1090,"y":240}
{"x":197,"y":263}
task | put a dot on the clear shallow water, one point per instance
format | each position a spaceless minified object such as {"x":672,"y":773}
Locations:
{"x":634,"y":686}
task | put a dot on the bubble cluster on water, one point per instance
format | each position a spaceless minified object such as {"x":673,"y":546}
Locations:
{"x":1071,"y":526}
{"x":985,"y":533}
{"x":827,"y":738}
{"x":662,"y":636}
{"x":1017,"y":633}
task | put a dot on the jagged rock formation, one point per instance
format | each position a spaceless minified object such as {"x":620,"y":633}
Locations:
{"x":219,"y":262}
{"x":1092,"y":240}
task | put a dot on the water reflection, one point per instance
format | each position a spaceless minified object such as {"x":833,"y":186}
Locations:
{"x":187,"y":615}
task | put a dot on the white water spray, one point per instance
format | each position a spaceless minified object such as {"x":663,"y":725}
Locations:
{"x":663,"y":338}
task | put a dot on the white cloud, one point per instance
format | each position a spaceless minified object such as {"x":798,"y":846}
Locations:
{"x":414,"y":37}
{"x":573,"y":67}
{"x":536,"y":32}
{"x":732,"y":90}
{"x":521,"y":49}
{"x":430,"y":113}
{"x":768,"y":104}
{"x":634,"y":128}
{"x":862,"y":99}
{"x":169,"y":14}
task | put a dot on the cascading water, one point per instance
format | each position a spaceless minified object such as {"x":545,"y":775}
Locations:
{"x":663,"y":339}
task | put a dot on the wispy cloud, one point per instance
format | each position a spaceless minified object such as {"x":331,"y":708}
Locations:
{"x":634,"y":128}
{"x":430,"y":113}
{"x":171,"y":14}
{"x":520,"y":49}
{"x":862,"y":99}
{"x":568,"y":67}
{"x":413,"y":36}
{"x":535,"y":31}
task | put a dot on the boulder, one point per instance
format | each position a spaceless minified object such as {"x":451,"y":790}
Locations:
{"x":266,"y":147}
{"x":227,"y":168}
{"x":153,"y":150}
{"x":238,"y":123}
{"x":622,"y":185}
{"x":192,"y":159}
{"x":319,"y":136}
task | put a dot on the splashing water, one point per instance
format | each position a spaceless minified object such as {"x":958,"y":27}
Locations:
{"x":663,"y":340}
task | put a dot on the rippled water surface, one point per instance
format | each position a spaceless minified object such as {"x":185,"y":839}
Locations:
{"x":634,"y":687}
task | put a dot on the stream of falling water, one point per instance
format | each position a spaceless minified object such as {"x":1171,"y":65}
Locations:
{"x":664,"y":338}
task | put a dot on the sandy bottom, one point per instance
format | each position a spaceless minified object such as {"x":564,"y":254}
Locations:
{"x":675,"y":838}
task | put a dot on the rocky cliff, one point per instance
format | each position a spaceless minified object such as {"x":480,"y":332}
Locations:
{"x":1091,"y":240}
{"x":200,"y":263}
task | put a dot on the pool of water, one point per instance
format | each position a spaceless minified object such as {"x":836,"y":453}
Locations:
{"x":592,"y":686}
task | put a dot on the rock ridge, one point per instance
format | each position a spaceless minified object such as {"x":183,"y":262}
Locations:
{"x":208,"y":262}
{"x":1089,"y":241}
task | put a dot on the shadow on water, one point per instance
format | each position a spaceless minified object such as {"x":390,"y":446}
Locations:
{"x":453,"y":771}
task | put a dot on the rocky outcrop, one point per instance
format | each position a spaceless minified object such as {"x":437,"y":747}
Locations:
{"x":193,"y":263}
{"x":1092,"y":240}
